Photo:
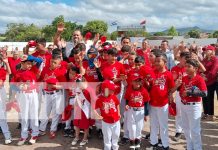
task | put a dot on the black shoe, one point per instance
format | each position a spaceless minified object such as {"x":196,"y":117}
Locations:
{"x":18,"y":126}
{"x":147,"y":137}
{"x":152,"y":147}
{"x":66,"y":132}
{"x":166,"y":148}
{"x":0,"y":130}
{"x":137,"y":143}
{"x":159,"y":143}
{"x":124,"y":141}
{"x":72,"y":133}
{"x":100,"y":134}
{"x":177,"y":137}
{"x":132,"y":145}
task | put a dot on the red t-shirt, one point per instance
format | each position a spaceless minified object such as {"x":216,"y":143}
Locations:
{"x":13,"y":63}
{"x":144,"y":54}
{"x":3,"y":73}
{"x":108,"y":108}
{"x":188,"y":83}
{"x":91,"y":73}
{"x":111,"y":72}
{"x":177,"y":71}
{"x":58,"y":73}
{"x":45,"y":57}
{"x":161,"y":85}
{"x":26,"y":77}
{"x":136,"y":98}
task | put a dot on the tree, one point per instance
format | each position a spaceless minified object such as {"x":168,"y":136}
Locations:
{"x":159,"y":34}
{"x":194,"y":33}
{"x":22,"y":32}
{"x":215,"y":34}
{"x":50,"y":30}
{"x":114,"y":35}
{"x":96,"y":26}
{"x":172,"y":31}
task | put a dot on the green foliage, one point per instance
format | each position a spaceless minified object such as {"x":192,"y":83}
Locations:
{"x":159,"y":34}
{"x":114,"y":35}
{"x":172,"y":31}
{"x":215,"y":34}
{"x":22,"y":32}
{"x":194,"y":33}
{"x":95,"y":26}
{"x":50,"y":30}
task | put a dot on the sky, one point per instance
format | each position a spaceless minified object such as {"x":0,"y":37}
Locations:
{"x":159,"y":14}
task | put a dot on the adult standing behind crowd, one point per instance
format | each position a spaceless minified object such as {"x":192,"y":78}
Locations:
{"x":76,"y":38}
{"x":169,"y":53}
{"x":210,"y":62}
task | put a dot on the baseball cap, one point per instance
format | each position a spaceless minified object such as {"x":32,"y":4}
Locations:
{"x":108,"y":84}
{"x":209,"y":47}
{"x":135,"y":76}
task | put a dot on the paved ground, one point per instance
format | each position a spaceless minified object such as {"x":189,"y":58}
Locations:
{"x":209,"y":138}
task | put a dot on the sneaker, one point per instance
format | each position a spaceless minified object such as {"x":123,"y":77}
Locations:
{"x":124,"y":141}
{"x":42,"y":133}
{"x":152,"y":147}
{"x":210,"y":118}
{"x":84,"y":142}
{"x":132,"y":145}
{"x":159,"y":143}
{"x":74,"y":142}
{"x":177,"y":136}
{"x":166,"y":148}
{"x":21,"y":142}
{"x":71,"y":134}
{"x":8,"y":141}
{"x":66,"y":132}
{"x":137,"y":143}
{"x":52,"y":135}
{"x":147,"y":137}
{"x":33,"y":139}
{"x":100,"y":134}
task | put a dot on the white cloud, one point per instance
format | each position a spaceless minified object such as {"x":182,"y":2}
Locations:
{"x":158,"y":13}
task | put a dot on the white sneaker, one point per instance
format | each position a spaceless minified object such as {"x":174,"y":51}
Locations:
{"x":84,"y":142}
{"x":33,"y":139}
{"x":21,"y":142}
{"x":8,"y":141}
{"x":74,"y":142}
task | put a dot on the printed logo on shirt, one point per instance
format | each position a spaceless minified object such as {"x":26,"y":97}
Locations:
{"x":137,"y":98}
{"x":115,"y":72}
{"x":160,"y":82}
{"x":109,"y":105}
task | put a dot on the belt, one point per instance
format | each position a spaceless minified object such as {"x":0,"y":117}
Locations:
{"x":28,"y":91}
{"x":191,"y":103}
{"x":137,"y":108}
{"x":50,"y":92}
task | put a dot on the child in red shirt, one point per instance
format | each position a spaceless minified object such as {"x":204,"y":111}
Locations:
{"x":161,"y":88}
{"x":136,"y":96}
{"x":4,"y":69}
{"x":110,"y":115}
{"x":192,"y":89}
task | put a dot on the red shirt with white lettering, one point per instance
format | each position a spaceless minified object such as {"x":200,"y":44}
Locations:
{"x":13,"y":63}
{"x":25,"y":77}
{"x":113,"y":71}
{"x":177,"y":71}
{"x":45,"y":57}
{"x":160,"y":87}
{"x":136,"y":98}
{"x":187,"y":85}
{"x":108,"y":108}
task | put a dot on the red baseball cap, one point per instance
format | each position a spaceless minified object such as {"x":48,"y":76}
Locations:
{"x":209,"y":47}
{"x":108,"y":84}
{"x":107,"y":47}
{"x":135,"y":76}
{"x":32,"y":43}
{"x":172,"y":109}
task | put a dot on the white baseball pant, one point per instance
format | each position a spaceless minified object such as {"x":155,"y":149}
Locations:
{"x":178,"y":113}
{"x":135,"y":124}
{"x":3,"y":121}
{"x":51,"y":104}
{"x":111,"y":134}
{"x":29,"y":106}
{"x":191,"y":123}
{"x":159,"y":118}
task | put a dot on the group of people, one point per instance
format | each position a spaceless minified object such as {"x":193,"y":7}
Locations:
{"x":111,"y":87}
